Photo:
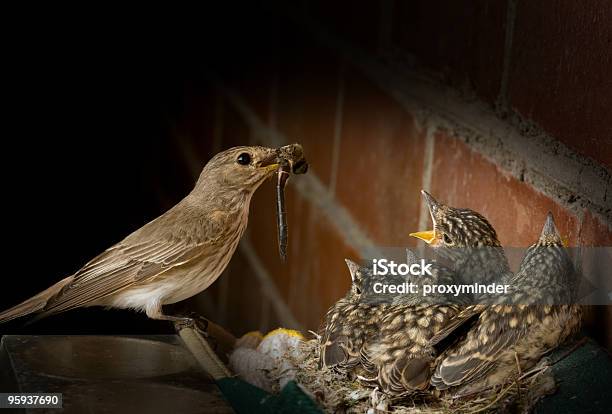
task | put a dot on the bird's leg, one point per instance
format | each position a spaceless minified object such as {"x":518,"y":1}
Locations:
{"x":200,"y":325}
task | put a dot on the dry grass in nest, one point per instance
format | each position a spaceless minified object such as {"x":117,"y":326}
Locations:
{"x":336,"y":393}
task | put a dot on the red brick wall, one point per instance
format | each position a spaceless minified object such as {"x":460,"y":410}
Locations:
{"x":532,"y":71}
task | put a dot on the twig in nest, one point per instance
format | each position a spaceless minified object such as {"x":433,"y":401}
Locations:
{"x":496,"y":400}
{"x":520,"y":373}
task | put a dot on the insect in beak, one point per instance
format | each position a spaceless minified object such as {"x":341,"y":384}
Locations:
{"x":291,"y":160}
{"x":281,"y":212}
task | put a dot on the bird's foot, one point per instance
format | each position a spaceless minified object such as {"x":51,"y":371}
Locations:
{"x":183,"y":323}
{"x":193,"y":321}
{"x":199,"y":324}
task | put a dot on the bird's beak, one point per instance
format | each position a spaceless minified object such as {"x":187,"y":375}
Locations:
{"x":433,"y":206}
{"x":353,"y":267}
{"x":427,"y":236}
{"x":270,"y":163}
{"x":550,"y":230}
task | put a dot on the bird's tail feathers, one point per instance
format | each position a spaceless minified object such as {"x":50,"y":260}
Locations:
{"x":35,"y":303}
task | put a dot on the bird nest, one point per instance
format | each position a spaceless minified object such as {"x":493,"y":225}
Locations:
{"x":336,"y":393}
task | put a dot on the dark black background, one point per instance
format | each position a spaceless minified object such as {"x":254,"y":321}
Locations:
{"x":90,"y":102}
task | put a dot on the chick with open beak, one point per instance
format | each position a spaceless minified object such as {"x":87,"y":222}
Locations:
{"x":467,"y":240}
{"x":456,"y":227}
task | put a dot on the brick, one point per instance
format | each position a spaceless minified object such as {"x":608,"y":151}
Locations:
{"x":464,"y":178}
{"x":319,"y":276}
{"x":306,"y":106}
{"x":559,"y":75}
{"x":462,"y":41}
{"x":315,"y":274}
{"x":594,"y":232}
{"x":264,"y":234}
{"x":380,"y":163}
{"x":262,"y":231}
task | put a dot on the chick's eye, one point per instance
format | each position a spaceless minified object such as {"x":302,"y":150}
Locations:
{"x":447,"y":239}
{"x":244,"y":159}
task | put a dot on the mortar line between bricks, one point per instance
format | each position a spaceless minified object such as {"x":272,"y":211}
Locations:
{"x":427,"y":173}
{"x":309,"y":185}
{"x":549,"y":166}
{"x":282,"y":310}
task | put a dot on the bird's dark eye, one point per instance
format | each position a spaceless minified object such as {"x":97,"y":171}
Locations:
{"x":358,"y":290}
{"x":244,"y":159}
{"x":447,"y":239}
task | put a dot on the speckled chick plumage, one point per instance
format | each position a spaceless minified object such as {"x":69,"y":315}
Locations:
{"x":400,"y":359}
{"x":349,"y":322}
{"x":467,"y":242}
{"x":517,"y":328}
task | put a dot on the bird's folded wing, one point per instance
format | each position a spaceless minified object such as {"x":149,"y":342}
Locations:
{"x":455,"y":323}
{"x":478,"y":353}
{"x":119,"y":267}
{"x":337,"y":349}
{"x":334,"y":351}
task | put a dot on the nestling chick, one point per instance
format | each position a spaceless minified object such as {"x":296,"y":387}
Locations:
{"x":519,"y":327}
{"x":465,"y":240}
{"x":400,"y":359}
{"x":349,"y":322}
